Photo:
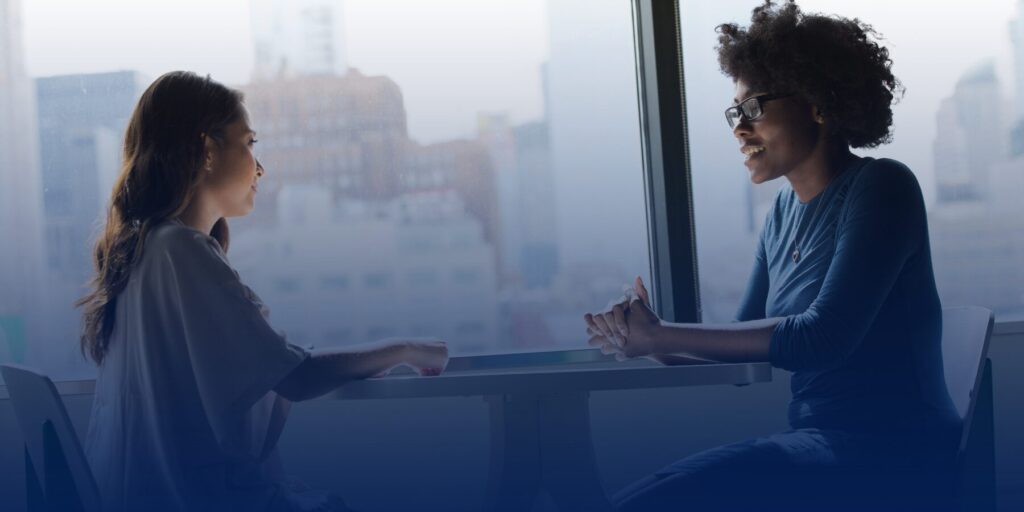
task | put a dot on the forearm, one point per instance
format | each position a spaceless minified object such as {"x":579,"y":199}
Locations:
{"x":327,"y":369}
{"x":737,"y":342}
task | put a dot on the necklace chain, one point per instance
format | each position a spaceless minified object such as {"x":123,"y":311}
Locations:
{"x":798,"y":241}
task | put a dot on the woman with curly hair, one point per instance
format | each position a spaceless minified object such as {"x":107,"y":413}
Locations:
{"x":842,"y":291}
{"x":194,"y":384}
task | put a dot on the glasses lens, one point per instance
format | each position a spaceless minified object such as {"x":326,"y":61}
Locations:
{"x":751,"y":108}
{"x":732,"y":115}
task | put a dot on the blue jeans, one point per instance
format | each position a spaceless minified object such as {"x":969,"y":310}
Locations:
{"x":802,"y":469}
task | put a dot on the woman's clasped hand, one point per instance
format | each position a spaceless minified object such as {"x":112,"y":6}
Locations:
{"x":628,"y":327}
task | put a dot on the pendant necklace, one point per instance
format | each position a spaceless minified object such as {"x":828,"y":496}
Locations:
{"x":798,"y":241}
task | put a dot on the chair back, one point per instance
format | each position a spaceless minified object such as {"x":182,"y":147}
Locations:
{"x":57,"y":473}
{"x":966,"y":332}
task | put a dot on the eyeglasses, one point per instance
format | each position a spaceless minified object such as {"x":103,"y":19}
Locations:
{"x":750,"y":109}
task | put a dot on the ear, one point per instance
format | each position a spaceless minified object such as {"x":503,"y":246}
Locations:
{"x":819,"y":116}
{"x":209,"y":145}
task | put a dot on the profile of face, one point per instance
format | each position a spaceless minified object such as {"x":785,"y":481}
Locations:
{"x":232,"y":173}
{"x":785,"y":135}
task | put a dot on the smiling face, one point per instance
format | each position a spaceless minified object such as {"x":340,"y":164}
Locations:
{"x":781,"y":140}
{"x":233,"y":173}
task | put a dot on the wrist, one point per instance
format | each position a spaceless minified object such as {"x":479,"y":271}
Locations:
{"x":395,"y":351}
{"x":404,"y":351}
{"x":658,"y":338}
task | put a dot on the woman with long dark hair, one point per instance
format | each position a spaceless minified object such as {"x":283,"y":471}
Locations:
{"x":194,"y":384}
{"x":842,"y":291}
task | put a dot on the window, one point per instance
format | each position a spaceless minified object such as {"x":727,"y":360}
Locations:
{"x":334,"y":282}
{"x":494,"y":144}
{"x":421,"y":277}
{"x":287,"y":285}
{"x":376,"y":280}
{"x":953,"y":129}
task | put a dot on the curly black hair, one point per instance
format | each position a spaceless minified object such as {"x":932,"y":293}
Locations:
{"x":834,"y":63}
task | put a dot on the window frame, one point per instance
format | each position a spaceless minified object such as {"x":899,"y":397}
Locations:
{"x":665,"y":143}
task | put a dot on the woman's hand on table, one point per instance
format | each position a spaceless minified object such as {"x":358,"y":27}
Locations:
{"x":628,"y":328}
{"x":425,"y":356}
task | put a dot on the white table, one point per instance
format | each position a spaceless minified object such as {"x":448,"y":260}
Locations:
{"x":540,"y":416}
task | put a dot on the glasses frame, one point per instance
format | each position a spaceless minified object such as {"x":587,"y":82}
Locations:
{"x":735,"y":114}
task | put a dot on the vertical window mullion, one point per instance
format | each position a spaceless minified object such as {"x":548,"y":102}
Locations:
{"x":669,"y":192}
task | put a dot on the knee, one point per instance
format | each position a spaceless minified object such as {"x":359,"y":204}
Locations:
{"x":671,"y":492}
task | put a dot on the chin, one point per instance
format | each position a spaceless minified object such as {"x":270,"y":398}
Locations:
{"x":760,"y":175}
{"x":757,"y":177}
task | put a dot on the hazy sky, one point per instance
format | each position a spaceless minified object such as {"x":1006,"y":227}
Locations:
{"x":455,"y":58}
{"x":452,"y":58}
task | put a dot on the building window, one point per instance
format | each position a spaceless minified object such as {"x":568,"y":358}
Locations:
{"x":334,"y":283}
{"x":286,"y":285}
{"x":376,"y":280}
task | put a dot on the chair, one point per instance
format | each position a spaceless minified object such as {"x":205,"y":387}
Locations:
{"x":966,"y":332}
{"x":57,"y":475}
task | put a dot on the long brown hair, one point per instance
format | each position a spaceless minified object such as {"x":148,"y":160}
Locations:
{"x":164,"y":154}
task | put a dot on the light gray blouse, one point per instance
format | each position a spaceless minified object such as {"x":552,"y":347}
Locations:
{"x":184,"y":416}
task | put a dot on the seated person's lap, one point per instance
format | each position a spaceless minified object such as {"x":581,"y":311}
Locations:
{"x":805,"y":469}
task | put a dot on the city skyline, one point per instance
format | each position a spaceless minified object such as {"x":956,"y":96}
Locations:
{"x":543,"y":184}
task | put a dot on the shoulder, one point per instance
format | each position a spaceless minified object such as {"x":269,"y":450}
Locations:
{"x":176,"y":242}
{"x":884,"y":183}
{"x":175,"y":236}
{"x":887,"y":174}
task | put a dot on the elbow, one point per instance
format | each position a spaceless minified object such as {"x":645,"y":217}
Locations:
{"x":800,"y":344}
{"x":295,"y":386}
{"x":311,"y":379}
{"x":290,"y":392}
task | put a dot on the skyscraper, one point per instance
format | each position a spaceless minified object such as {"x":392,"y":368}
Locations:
{"x":345,"y":133}
{"x":297,"y":37}
{"x":526,"y":198}
{"x":596,"y":156}
{"x":82,"y":119}
{"x":1017,"y":38}
{"x":20,"y":211}
{"x":971,"y":136}
{"x":348,"y":134}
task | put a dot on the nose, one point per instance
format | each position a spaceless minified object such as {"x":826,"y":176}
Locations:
{"x":743,"y":129}
{"x":260,"y":171}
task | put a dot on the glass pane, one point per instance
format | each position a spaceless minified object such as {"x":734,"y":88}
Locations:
{"x":960,"y":128}
{"x":459,"y":169}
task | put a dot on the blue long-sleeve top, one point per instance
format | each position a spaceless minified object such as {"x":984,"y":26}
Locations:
{"x":862,"y":318}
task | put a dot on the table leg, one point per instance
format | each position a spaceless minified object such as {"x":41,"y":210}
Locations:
{"x":515,"y":476}
{"x":543,"y":442}
{"x":570,"y":472}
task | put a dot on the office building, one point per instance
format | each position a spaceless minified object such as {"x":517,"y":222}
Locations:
{"x":297,"y":37}
{"x":20,"y":194}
